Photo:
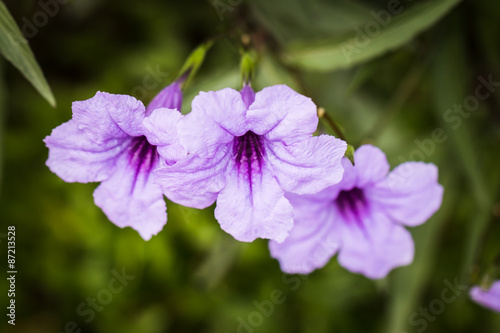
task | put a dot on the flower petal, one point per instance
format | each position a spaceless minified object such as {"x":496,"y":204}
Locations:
{"x":281,"y":114}
{"x":253,"y":208}
{"x":160,"y":128}
{"x":349,"y":178}
{"x":313,"y":239}
{"x":410,"y":194}
{"x":95,"y":116}
{"x":129,"y":198}
{"x":127,"y":112}
{"x":371,"y":165}
{"x":170,"y":98}
{"x":376,"y":246}
{"x":216,"y":118}
{"x":74,"y":157}
{"x":194,"y":181}
{"x":487,"y":298}
{"x":247,"y":95}
{"x":308,"y":166}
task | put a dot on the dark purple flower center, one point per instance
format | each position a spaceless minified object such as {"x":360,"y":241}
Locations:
{"x":248,"y":151}
{"x":352,"y":204}
{"x":142,"y":156}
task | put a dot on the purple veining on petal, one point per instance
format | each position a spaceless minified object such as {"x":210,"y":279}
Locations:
{"x":142,"y":155}
{"x":352,"y":204}
{"x":248,"y":151}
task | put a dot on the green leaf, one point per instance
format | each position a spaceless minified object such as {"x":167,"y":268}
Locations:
{"x":357,"y":46}
{"x":15,"y":49}
{"x":270,"y":72}
{"x":408,"y":284}
{"x":295,"y":19}
{"x":2,"y":120}
{"x":450,"y":79}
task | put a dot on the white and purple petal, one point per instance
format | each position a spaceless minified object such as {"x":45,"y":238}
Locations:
{"x":488,"y":298}
{"x":371,"y":244}
{"x":312,"y":240}
{"x":195,"y":181}
{"x":74,"y":157}
{"x":216,"y":118}
{"x":252,"y":204}
{"x":108,"y":117}
{"x":281,"y":114}
{"x":129,"y":198}
{"x":410,"y":194}
{"x":308,"y":166}
{"x":160,"y":128}
{"x":371,"y":165}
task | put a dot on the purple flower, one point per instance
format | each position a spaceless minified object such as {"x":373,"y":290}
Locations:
{"x":104,"y":142}
{"x":488,"y":298}
{"x":245,"y":150}
{"x":362,"y":217}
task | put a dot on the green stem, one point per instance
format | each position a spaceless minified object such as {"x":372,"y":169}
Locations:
{"x":333,"y":125}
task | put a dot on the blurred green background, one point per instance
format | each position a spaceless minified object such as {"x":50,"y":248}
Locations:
{"x":393,"y":89}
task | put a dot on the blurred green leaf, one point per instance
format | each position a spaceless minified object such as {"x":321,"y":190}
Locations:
{"x":408,"y":284}
{"x":218,"y":262}
{"x":295,"y":19}
{"x":2,"y":115}
{"x":347,"y":51}
{"x":450,"y":78}
{"x":15,"y":49}
{"x":270,"y":72}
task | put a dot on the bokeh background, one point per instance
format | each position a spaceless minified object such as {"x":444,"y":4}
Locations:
{"x":394,"y":92}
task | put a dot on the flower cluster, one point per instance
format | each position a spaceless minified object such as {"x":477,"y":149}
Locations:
{"x":255,"y":156}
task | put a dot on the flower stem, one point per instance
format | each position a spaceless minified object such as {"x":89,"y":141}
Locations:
{"x":333,"y":125}
{"x":349,"y":153}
